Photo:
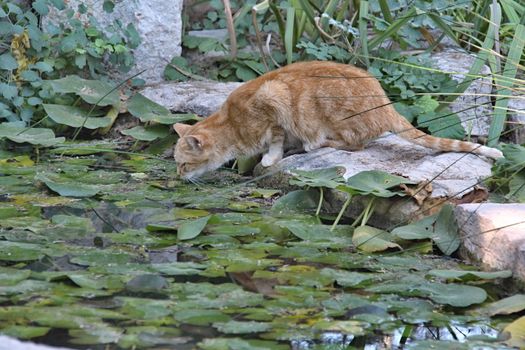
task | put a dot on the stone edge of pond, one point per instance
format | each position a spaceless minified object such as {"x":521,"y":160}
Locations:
{"x":8,"y":343}
{"x":493,"y":235}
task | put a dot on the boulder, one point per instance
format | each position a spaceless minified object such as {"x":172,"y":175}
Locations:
{"x":474,"y":106}
{"x":455,"y":177}
{"x":158,"y":23}
{"x":8,"y":343}
{"x":494,"y":235}
{"x":199,"y":97}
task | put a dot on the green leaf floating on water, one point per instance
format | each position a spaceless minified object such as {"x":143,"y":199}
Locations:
{"x":25,"y":332}
{"x":240,"y":327}
{"x":296,"y":201}
{"x":147,"y":283}
{"x":371,"y":239}
{"x":200,"y":317}
{"x":75,"y":117}
{"x":69,"y":189}
{"x":11,"y":276}
{"x":469,"y":275}
{"x":193,"y":228}
{"x":450,"y":294}
{"x":516,"y":333}
{"x":506,"y":306}
{"x":148,"y":133}
{"x":240,"y":344}
{"x":18,"y":251}
{"x":446,"y":231}
{"x":18,"y":133}
{"x":91,"y":91}
{"x":421,"y":229}
{"x":307,"y":231}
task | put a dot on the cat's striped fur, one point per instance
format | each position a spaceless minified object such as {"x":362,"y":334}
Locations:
{"x":316,"y":104}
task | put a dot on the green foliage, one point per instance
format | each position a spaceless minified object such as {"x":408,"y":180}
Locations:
{"x":38,"y":53}
{"x":508,"y":178}
{"x":409,"y":80}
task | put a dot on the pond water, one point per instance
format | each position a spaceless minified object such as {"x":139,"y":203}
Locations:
{"x":129,"y":257}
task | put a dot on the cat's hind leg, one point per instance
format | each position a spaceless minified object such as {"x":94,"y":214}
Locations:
{"x":275,"y":149}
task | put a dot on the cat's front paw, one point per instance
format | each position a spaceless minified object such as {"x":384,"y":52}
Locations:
{"x":268,"y":160}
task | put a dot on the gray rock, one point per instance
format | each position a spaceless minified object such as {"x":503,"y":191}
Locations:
{"x":7,"y":343}
{"x":453,"y":175}
{"x":516,"y":117}
{"x":494,"y":235}
{"x":476,"y":99}
{"x":158,"y":23}
{"x":199,"y":97}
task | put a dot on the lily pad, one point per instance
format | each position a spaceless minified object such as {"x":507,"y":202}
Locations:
{"x":25,"y":332}
{"x":370,"y":239}
{"x":505,"y":306}
{"x":240,"y":327}
{"x":69,"y":189}
{"x":296,"y":201}
{"x":469,"y":275}
{"x":17,"y":251}
{"x":192,"y":228}
{"x":200,"y":317}
{"x":422,"y":229}
{"x":516,"y":333}
{"x":307,"y":231}
{"x":446,"y":234}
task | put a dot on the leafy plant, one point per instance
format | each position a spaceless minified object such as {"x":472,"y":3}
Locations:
{"x":508,"y":177}
{"x":31,"y":55}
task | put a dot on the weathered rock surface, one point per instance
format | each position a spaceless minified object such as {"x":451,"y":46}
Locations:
{"x":199,"y":97}
{"x":473,"y":106}
{"x":158,"y":23}
{"x":7,"y":343}
{"x":453,"y":176}
{"x":516,"y":117}
{"x":494,"y":235}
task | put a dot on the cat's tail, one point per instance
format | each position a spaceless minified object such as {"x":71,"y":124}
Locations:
{"x":407,"y":131}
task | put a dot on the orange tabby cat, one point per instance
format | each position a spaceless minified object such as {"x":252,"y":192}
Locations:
{"x":318,"y":104}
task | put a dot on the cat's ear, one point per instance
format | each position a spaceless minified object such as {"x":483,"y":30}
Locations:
{"x":181,"y":129}
{"x":194,"y":142}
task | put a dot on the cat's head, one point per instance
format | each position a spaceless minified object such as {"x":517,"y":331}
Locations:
{"x":195,"y":151}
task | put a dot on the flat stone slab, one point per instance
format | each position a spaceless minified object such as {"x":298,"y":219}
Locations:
{"x":199,"y":97}
{"x":452,"y":175}
{"x":494,"y":235}
{"x":8,"y":343}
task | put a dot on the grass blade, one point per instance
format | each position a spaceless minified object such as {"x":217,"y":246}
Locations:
{"x":392,"y":29}
{"x":488,"y":43}
{"x":509,"y":72}
{"x":289,"y":34}
{"x":363,"y":30}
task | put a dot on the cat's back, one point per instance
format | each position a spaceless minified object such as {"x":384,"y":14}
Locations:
{"x":307,"y":78}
